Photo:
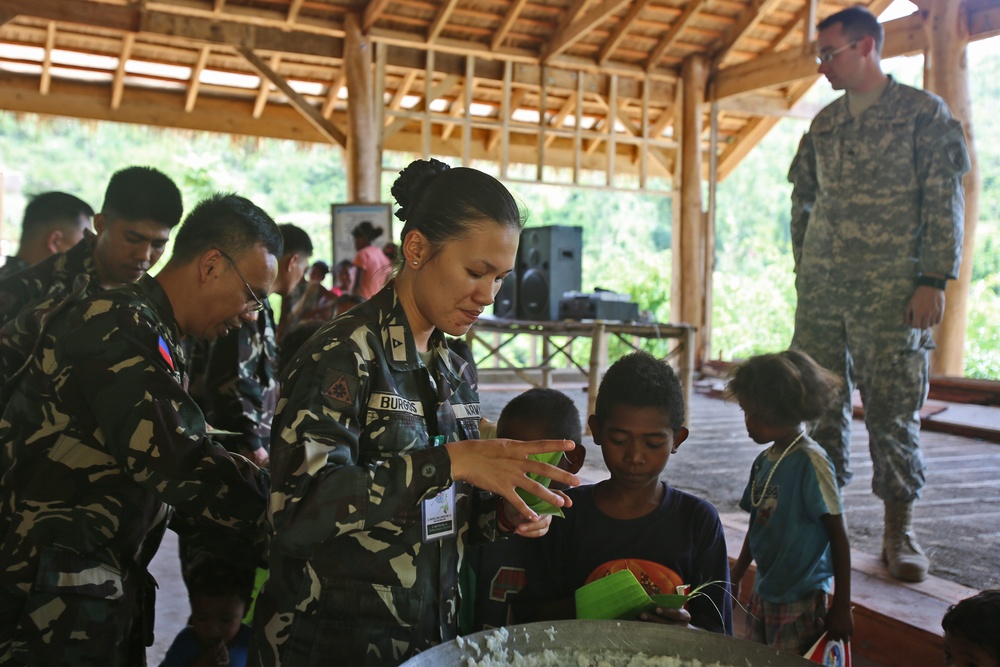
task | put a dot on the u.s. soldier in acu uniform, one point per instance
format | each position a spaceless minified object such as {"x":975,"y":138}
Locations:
{"x":141,"y":206}
{"x":373,"y":447}
{"x":100,"y":439}
{"x":877,"y":215}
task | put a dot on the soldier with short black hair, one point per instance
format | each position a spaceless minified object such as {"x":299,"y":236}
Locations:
{"x":141,"y":206}
{"x":101,"y":440}
{"x":53,"y":222}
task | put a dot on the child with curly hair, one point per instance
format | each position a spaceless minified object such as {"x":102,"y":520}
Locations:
{"x":797,"y":532}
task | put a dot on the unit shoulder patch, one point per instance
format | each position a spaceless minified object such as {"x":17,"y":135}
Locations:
{"x":340,"y":388}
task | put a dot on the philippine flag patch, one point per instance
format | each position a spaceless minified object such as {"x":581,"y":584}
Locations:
{"x":165,"y":353}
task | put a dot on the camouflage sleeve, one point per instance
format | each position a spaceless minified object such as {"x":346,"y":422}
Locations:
{"x":327,"y":484}
{"x":15,"y":292}
{"x":234,"y":392}
{"x":942,"y":159}
{"x":802,"y":176}
{"x":17,"y":338}
{"x":19,"y":335}
{"x":152,"y":427}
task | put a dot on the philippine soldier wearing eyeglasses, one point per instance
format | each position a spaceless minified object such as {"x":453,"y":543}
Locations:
{"x":374,"y":450}
{"x":241,"y":376}
{"x":100,"y":438}
{"x":877,"y":215}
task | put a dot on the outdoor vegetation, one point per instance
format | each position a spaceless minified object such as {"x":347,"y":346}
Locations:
{"x":626,"y":236}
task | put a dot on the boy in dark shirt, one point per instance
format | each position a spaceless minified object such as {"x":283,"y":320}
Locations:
{"x":493,"y":573}
{"x":638,"y":423}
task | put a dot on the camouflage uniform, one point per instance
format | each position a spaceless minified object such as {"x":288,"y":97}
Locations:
{"x":52,"y":276}
{"x":237,"y":389}
{"x":877,"y":200}
{"x":99,"y":437}
{"x":351,"y":580}
{"x":241,"y":383}
{"x":14,"y":264}
{"x":29,"y":297}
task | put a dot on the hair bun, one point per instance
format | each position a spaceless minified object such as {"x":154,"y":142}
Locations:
{"x":412,"y":182}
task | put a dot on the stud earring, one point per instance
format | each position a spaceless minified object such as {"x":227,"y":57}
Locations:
{"x":415,"y":262}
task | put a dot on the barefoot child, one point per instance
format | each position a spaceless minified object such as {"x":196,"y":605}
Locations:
{"x":638,"y":424}
{"x":797,"y":534}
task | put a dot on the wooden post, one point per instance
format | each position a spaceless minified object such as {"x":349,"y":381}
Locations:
{"x":946,"y":73}
{"x":363,"y":162}
{"x":689,"y":247}
{"x":598,"y":363}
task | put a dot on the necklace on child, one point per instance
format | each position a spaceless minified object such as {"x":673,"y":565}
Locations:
{"x":763,"y":491}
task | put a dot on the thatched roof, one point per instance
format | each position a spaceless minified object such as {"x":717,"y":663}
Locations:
{"x":275,"y":68}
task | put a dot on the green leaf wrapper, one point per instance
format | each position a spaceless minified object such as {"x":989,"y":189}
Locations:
{"x":536,"y":504}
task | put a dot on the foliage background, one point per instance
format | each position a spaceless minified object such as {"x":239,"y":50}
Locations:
{"x":626,"y":236}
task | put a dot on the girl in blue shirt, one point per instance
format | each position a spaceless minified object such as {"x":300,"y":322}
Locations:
{"x":797,"y":533}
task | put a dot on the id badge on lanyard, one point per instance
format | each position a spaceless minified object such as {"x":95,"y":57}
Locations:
{"x":439,"y":511}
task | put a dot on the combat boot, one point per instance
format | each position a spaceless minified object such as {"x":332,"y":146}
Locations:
{"x":900,"y":551}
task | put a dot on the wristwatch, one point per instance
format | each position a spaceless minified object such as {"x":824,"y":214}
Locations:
{"x":931,"y":281}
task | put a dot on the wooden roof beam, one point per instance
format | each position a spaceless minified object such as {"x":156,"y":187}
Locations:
{"x":265,"y":89}
{"x":619,"y":34}
{"x":373,"y":12}
{"x":115,"y":17}
{"x":406,"y":51}
{"x":508,"y":23}
{"x":749,"y":19}
{"x":690,"y":11}
{"x":630,"y":127}
{"x":494,"y":136}
{"x":578,"y":29}
{"x":458,"y":108}
{"x":764,"y":105}
{"x":402,"y":90}
{"x":332,"y":94}
{"x":118,"y":86}
{"x":311,"y":113}
{"x":293,"y":11}
{"x":50,"y":42}
{"x":435,"y":92}
{"x":195,"y":82}
{"x":218,"y":6}
{"x":791,"y":28}
{"x":560,"y":117}
{"x":441,"y":20}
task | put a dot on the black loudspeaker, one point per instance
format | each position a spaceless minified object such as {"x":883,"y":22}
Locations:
{"x":548,"y":264}
{"x":505,"y":302}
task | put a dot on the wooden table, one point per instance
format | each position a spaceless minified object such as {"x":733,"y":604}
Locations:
{"x":680,"y":353}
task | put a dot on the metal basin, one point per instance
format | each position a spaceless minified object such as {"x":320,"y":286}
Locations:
{"x":627,"y":636}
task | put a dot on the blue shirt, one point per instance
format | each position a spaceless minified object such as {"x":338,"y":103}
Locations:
{"x":787,"y":537}
{"x":185,"y":649}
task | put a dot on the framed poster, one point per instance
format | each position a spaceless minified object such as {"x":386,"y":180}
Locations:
{"x":348,"y":216}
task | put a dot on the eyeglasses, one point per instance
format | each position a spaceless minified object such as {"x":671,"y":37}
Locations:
{"x":258,"y":306}
{"x":824,"y":57}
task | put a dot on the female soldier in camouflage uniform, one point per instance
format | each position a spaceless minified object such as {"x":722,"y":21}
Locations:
{"x":370,"y":517}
